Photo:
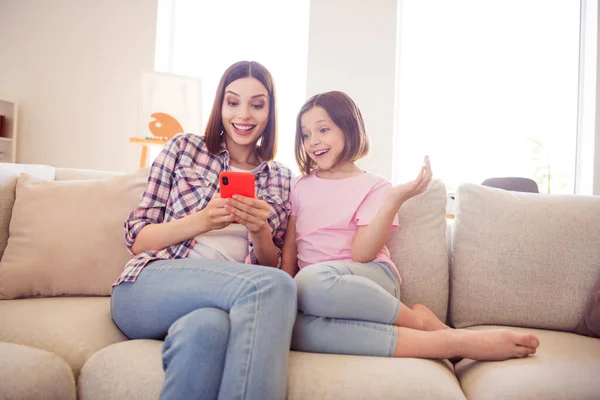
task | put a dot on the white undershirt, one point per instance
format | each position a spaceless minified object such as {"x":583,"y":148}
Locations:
{"x":229,"y":243}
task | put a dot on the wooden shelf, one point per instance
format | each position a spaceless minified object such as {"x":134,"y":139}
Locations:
{"x":8,"y":142}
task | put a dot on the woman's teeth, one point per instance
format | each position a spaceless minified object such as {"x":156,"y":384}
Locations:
{"x":320,"y":152}
{"x":243,"y":128}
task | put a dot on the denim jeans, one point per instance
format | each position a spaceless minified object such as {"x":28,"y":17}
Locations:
{"x":227,"y":326}
{"x":347,"y":308}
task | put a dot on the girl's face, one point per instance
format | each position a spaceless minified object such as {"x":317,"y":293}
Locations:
{"x":245,"y":111}
{"x":322,"y":139}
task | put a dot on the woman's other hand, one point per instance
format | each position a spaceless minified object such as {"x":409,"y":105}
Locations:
{"x":250,"y":212}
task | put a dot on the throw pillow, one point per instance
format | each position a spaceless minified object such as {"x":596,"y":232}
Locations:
{"x":66,"y":237}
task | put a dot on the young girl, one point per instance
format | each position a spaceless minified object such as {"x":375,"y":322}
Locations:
{"x":227,"y":322}
{"x":348,"y":287}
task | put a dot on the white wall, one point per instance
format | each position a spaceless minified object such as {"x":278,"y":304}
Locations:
{"x":597,"y":139}
{"x":73,"y":67}
{"x":352,"y":47}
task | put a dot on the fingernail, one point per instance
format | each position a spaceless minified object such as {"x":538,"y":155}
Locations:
{"x":235,"y":196}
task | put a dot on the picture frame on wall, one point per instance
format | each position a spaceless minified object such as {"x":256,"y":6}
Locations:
{"x":169,"y":104}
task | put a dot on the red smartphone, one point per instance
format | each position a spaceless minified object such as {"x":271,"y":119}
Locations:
{"x":231,"y":183}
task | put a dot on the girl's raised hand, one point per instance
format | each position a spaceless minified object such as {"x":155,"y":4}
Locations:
{"x":400,"y":193}
{"x":252,"y":213}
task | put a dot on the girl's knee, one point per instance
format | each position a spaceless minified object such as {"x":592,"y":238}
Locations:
{"x":315,"y":277}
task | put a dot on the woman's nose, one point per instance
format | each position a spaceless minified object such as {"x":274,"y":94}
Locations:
{"x":244,"y":112}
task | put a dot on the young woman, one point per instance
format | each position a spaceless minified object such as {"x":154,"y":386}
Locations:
{"x":210,"y":287}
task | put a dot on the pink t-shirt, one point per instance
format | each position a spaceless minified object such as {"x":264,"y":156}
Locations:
{"x":329,"y":212}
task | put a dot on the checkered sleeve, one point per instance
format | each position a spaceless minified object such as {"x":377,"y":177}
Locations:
{"x":280,"y":210}
{"x":151,"y":209}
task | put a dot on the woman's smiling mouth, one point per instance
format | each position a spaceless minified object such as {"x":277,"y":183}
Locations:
{"x":243,"y":129}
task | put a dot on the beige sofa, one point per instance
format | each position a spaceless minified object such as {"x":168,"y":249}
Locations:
{"x":520,"y":260}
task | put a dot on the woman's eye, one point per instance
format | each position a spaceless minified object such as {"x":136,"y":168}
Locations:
{"x":258,"y":106}
{"x":323,"y":130}
{"x":304,"y":136}
{"x":232,"y":103}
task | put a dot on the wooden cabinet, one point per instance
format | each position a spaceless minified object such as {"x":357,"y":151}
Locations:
{"x":8,"y":131}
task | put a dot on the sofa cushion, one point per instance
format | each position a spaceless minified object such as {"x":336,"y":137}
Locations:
{"x":127,"y":370}
{"x":565,"y":366}
{"x":74,"y":328}
{"x":9,"y":174}
{"x":523,"y":259}
{"x":75,"y":229}
{"x":329,"y":376}
{"x":107,"y":375}
{"x":419,"y":250}
{"x":28,"y":373}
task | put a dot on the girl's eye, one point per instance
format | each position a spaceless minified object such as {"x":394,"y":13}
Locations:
{"x":258,"y":106}
{"x":304,"y":136}
{"x":323,"y":130}
{"x":232,"y":103}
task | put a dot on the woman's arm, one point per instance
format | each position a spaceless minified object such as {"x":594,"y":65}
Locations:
{"x":370,"y":239}
{"x":161,"y":235}
{"x":290,"y":252}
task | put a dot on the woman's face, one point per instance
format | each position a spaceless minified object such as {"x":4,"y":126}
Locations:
{"x":245,"y":111}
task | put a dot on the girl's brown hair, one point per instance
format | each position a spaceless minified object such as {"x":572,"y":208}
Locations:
{"x":346,"y":115}
{"x":244,"y":69}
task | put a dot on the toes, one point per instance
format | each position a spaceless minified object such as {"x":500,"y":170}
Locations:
{"x":522,"y":351}
{"x":526,"y":340}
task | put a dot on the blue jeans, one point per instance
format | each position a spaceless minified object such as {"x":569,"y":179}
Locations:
{"x":347,"y":308}
{"x":227,"y":326}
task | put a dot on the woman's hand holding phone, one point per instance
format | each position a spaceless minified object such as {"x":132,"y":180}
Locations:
{"x":215,"y":215}
{"x":250,"y":212}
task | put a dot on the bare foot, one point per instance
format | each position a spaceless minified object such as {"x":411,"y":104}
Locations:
{"x":430,"y":321}
{"x":496,"y":345}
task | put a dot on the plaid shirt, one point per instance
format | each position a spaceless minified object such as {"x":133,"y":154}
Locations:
{"x":182,"y":180}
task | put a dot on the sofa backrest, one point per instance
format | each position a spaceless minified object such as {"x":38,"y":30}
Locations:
{"x":419,"y":250}
{"x":523,"y":259}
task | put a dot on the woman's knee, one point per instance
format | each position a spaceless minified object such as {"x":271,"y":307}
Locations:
{"x":279,"y":283}
{"x":204,"y":322}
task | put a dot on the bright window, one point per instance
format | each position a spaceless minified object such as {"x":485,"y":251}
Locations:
{"x":202,"y":38}
{"x":489,"y":88}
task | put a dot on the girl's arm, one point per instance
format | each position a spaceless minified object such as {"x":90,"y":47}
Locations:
{"x":370,"y":239}
{"x":290,"y":252}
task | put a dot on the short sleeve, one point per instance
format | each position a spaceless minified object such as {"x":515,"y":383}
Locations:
{"x":372,"y":203}
{"x":294,"y":197}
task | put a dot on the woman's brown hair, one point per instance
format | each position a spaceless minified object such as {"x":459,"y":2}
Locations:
{"x":244,"y":69}
{"x":346,"y":115}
